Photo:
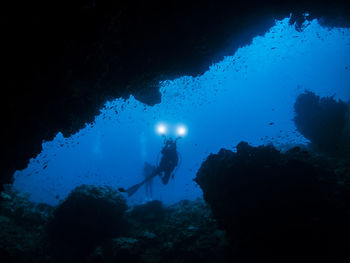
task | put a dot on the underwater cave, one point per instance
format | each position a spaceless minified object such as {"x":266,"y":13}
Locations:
{"x":261,"y":126}
{"x":245,"y":97}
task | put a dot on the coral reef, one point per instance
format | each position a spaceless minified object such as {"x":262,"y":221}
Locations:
{"x":186,"y":232}
{"x":291,"y":207}
{"x":183,"y":232}
{"x":22,"y":228}
{"x":323,"y":122}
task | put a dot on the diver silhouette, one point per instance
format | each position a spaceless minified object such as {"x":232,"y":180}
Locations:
{"x":165,"y":169}
{"x":168,"y":161}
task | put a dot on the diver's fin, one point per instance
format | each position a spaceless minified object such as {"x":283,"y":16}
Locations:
{"x":133,"y":189}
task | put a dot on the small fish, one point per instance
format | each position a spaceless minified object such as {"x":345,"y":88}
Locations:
{"x":271,"y":123}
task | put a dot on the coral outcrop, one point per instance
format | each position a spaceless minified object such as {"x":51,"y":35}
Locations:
{"x":323,"y":120}
{"x":22,"y":228}
{"x":87,"y":217}
{"x":183,"y":232}
{"x":278,"y":207}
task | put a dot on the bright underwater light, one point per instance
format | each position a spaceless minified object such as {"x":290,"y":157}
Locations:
{"x":181,"y":130}
{"x":161,"y":129}
{"x":164,"y":129}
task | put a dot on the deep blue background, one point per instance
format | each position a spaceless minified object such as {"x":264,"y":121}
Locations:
{"x":248,"y":96}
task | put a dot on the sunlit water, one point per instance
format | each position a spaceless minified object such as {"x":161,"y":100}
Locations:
{"x":248,"y":96}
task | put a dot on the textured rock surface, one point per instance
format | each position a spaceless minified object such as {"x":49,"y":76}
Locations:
{"x":185,"y":232}
{"x":88,"y":216}
{"x":63,"y":60}
{"x":278,"y":207}
{"x":22,"y":224}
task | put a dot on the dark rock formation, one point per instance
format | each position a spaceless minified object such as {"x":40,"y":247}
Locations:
{"x":278,"y":207}
{"x":22,"y":225}
{"x":87,"y":217}
{"x":62,"y":61}
{"x":323,"y":122}
{"x":152,"y":212}
{"x":185,"y":232}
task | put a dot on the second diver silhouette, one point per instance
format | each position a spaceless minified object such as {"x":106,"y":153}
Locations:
{"x":165,"y":169}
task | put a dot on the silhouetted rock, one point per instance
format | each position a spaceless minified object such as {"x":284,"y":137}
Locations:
{"x":186,"y":231}
{"x":22,"y":223}
{"x":322,"y":121}
{"x":277,"y":207}
{"x":88,"y":216}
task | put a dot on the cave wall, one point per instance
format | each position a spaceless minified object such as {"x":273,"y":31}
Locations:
{"x":64,"y":60}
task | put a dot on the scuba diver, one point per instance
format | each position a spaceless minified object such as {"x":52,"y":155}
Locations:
{"x":165,"y":169}
{"x":168,"y":161}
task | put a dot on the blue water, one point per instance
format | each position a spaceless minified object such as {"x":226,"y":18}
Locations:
{"x":248,"y":96}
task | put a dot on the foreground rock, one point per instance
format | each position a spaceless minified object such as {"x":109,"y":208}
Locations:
{"x":184,"y":232}
{"x":88,"y":216}
{"x":278,"y":207}
{"x":22,"y":224}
